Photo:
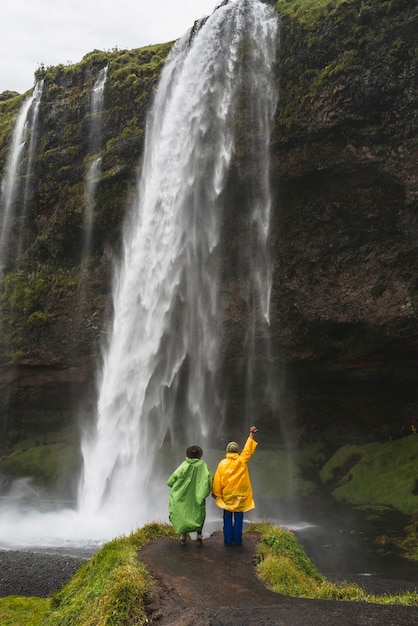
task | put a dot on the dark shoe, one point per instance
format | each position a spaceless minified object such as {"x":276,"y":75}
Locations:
{"x":199,"y":540}
{"x":182,"y":540}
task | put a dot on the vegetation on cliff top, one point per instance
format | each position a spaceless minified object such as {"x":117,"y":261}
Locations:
{"x":9,"y":110}
{"x":346,"y":55}
{"x":308,"y":12}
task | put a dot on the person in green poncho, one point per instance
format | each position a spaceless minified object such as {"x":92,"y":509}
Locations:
{"x":190,"y":483}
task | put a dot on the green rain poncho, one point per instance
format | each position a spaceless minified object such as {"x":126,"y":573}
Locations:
{"x":190,"y":483}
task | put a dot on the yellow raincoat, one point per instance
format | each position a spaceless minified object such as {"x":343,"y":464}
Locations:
{"x":231,"y":483}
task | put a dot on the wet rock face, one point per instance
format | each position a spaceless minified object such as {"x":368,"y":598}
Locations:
{"x":346,"y":263}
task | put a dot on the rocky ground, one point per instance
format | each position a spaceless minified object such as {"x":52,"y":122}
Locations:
{"x":35,"y":573}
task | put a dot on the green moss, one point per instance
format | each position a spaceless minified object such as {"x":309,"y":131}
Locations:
{"x":9,"y":110}
{"x":26,"y":305}
{"x":130,"y":70}
{"x":45,"y":464}
{"x":20,"y":297}
{"x":376,"y":474}
{"x":308,"y":12}
{"x":45,"y":447}
{"x":38,"y":318}
{"x":338,"y":461}
{"x":22,"y":292}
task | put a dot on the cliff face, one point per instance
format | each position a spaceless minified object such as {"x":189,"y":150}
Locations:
{"x":344,"y":227}
{"x":346,"y":214}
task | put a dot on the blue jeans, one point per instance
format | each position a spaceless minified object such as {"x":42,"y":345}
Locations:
{"x":233,"y":528}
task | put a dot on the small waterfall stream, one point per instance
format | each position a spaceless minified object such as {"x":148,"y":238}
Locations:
{"x":19,"y":163}
{"x":161,"y":372}
{"x":94,"y":168}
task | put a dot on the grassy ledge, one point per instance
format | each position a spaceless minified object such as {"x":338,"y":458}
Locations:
{"x":283,"y":567}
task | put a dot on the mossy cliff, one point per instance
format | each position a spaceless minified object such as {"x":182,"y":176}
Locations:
{"x":344,"y":323}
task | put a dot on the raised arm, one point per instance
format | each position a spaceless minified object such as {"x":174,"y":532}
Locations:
{"x":250,"y":446}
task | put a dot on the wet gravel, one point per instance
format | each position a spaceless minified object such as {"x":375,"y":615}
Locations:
{"x":36,"y":573}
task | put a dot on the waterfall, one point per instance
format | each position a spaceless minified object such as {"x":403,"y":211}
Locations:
{"x":94,"y":167}
{"x":160,"y":379}
{"x":19,"y":163}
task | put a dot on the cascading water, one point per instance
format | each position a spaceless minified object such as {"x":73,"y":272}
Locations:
{"x":94,"y":168}
{"x":161,"y":372}
{"x":19,"y":163}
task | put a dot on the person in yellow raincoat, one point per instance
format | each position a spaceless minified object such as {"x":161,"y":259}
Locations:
{"x":190,"y":483}
{"x":232,"y":488}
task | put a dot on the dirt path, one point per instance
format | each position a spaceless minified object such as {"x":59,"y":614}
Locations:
{"x":216,"y":586}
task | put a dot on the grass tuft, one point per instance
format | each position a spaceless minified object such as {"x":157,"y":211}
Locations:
{"x":283,"y":567}
{"x":22,"y":611}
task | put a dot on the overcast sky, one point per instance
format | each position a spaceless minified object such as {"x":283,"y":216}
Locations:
{"x":51,"y":32}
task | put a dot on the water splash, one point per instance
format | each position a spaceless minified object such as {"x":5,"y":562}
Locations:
{"x":19,"y":163}
{"x":94,"y":168}
{"x":161,"y":372}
